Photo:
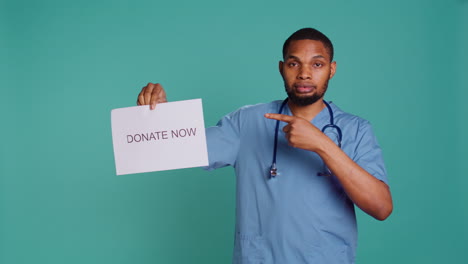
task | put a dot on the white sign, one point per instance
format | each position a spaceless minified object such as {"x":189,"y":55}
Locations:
{"x":172,"y":136}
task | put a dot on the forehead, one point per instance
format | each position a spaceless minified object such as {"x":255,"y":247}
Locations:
{"x":307,"y":48}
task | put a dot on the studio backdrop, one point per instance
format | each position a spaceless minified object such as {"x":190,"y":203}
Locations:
{"x":66,"y":64}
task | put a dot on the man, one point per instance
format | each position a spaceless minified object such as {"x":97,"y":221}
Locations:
{"x":300,"y":209}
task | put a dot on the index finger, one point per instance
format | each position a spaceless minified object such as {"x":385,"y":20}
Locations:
{"x":280,"y":117}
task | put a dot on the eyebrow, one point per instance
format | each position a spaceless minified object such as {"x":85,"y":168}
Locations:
{"x":296,"y":58}
{"x":319,"y":57}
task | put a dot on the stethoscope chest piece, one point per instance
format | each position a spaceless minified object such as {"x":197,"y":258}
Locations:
{"x":273,"y":171}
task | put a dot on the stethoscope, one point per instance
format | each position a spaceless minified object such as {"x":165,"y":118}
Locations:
{"x":331,"y":125}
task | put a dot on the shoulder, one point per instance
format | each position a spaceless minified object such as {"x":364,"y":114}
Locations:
{"x":261,"y":107}
{"x":247,"y":116}
{"x":349,"y":120}
{"x":256,"y":109}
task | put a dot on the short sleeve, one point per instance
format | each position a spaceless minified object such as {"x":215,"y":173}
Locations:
{"x":223,"y":142}
{"x":368,"y":153}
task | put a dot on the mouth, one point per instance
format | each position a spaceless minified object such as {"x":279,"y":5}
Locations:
{"x":304,"y":88}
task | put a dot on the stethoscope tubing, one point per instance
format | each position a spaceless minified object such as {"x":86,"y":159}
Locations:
{"x":273,"y":168}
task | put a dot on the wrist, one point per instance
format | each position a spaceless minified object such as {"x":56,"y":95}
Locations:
{"x":324,"y":146}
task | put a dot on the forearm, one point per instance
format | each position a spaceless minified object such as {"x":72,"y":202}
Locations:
{"x":367,"y":192}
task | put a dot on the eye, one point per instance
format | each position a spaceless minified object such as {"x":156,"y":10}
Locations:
{"x":318,"y":64}
{"x":292,"y":64}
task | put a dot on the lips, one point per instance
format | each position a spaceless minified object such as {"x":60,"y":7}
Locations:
{"x":304,"y":88}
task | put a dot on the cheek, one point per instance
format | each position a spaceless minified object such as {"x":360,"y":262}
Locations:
{"x":289,"y":77}
{"x":323,"y":76}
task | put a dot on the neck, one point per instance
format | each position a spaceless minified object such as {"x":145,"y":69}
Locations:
{"x":307,"y":112}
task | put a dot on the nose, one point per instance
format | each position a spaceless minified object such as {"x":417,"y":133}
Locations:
{"x":304,"y":73}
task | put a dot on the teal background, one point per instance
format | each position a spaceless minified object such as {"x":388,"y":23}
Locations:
{"x":65,"y":64}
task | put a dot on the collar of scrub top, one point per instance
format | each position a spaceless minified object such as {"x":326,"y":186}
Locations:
{"x":331,"y":125}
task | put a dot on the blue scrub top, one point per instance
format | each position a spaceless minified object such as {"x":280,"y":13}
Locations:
{"x":298,"y":217}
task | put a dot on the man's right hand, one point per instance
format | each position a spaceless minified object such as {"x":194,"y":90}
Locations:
{"x":151,"y":95}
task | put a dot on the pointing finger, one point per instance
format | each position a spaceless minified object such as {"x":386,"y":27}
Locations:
{"x":280,"y":117}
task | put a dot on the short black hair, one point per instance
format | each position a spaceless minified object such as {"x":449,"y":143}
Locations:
{"x":312,"y":34}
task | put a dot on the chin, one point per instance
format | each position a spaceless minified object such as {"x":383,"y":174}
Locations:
{"x":303,"y":100}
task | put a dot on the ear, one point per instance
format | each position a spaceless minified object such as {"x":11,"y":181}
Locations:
{"x":332,"y":69}
{"x":280,"y":67}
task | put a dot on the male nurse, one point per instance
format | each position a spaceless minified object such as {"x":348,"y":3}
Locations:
{"x":301,"y":164}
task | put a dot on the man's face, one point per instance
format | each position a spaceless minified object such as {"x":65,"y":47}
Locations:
{"x":306,"y":70}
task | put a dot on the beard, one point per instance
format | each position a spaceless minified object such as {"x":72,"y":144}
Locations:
{"x":305,"y":100}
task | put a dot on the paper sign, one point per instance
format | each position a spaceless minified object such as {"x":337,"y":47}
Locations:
{"x":172,"y":136}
